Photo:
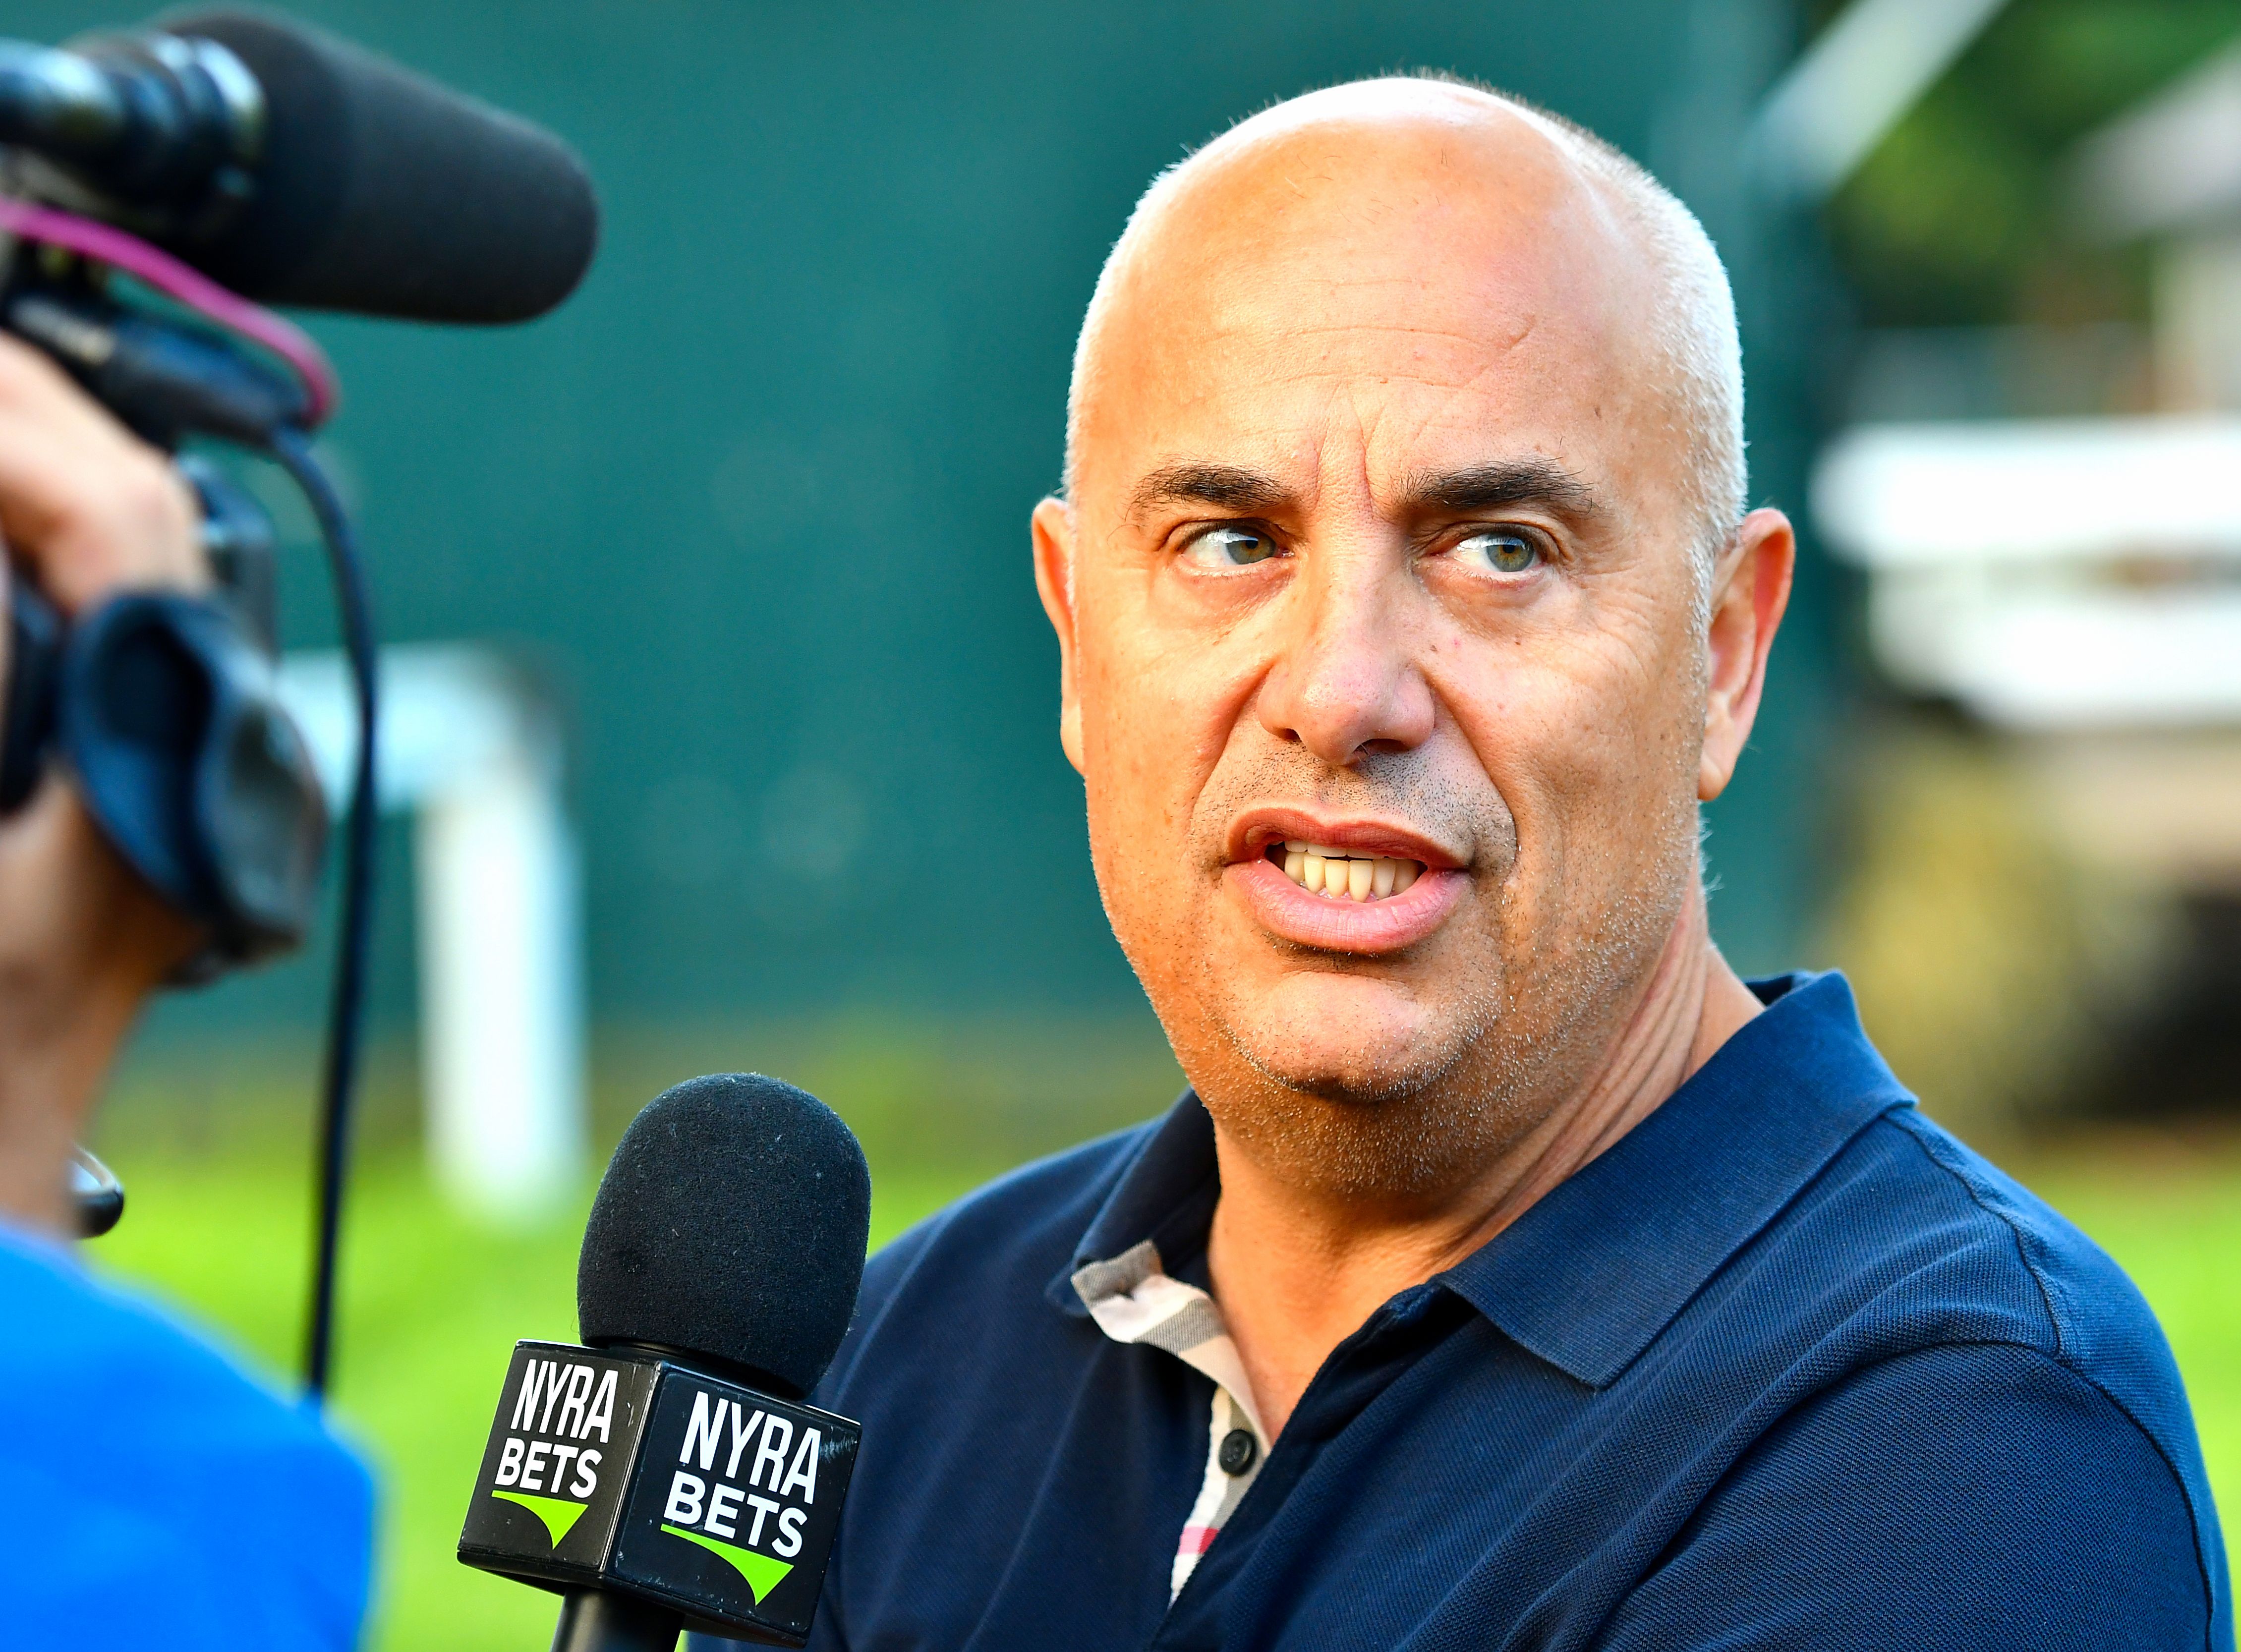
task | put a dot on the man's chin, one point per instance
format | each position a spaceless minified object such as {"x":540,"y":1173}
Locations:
{"x":1359,"y":1085}
{"x":1395,"y":1120}
{"x":1346,"y":1040}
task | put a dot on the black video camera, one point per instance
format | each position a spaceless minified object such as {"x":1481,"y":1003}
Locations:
{"x":157,"y":189}
{"x":221,"y":154}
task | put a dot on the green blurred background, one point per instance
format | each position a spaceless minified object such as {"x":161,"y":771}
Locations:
{"x":753,"y":507}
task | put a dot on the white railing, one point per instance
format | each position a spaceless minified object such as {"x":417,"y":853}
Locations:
{"x":2049,"y":575}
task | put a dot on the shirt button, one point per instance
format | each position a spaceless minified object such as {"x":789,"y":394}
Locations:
{"x":1238,"y":1451}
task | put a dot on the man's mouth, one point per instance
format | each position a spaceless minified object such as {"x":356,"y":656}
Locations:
{"x":1336,"y":875}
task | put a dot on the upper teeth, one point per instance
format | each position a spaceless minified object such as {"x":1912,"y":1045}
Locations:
{"x":1335,"y":873}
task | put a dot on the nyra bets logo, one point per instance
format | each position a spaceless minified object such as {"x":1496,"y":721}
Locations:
{"x":751,"y":1514}
{"x":550,"y":1463}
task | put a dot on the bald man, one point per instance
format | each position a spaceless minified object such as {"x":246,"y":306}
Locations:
{"x":1512,"y":1274}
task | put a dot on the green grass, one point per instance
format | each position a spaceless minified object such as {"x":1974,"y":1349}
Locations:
{"x":432,"y":1303}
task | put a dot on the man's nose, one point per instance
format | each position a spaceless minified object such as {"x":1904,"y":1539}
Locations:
{"x":1345,"y":682}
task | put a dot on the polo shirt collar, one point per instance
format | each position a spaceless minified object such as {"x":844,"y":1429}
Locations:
{"x":1166,"y":1194}
{"x":1590,"y":1274}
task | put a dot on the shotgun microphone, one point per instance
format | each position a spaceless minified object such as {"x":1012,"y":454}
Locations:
{"x":668,"y":1476}
{"x":295,"y":168}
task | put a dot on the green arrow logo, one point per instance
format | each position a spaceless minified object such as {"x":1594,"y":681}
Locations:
{"x":557,"y":1513}
{"x":763,"y":1573}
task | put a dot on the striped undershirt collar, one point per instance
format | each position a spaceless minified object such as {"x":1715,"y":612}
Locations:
{"x":1134,"y":1299}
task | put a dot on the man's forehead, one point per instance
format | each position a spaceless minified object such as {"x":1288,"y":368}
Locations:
{"x":1376,"y":122}
{"x":1377,"y":213}
{"x":1410,"y":269}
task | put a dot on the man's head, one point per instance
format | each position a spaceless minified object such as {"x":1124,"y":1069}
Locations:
{"x":1403,"y":518}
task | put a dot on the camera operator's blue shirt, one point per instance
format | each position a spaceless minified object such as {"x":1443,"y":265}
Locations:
{"x":151,"y":1494}
{"x":1787,"y":1368}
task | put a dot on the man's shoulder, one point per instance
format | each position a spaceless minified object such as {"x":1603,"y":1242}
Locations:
{"x":1798,"y":1146}
{"x":1966,"y":1236}
{"x":1957,"y":1254}
{"x":143,"y":1458}
{"x":1959,"y":1370}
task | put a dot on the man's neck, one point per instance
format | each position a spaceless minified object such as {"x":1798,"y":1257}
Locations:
{"x":1296,"y":1273}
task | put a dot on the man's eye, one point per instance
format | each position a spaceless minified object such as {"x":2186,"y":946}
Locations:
{"x":1498,"y":550}
{"x":1219,"y":549}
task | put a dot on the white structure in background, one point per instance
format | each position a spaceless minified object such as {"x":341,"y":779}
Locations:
{"x":2078,"y":581}
{"x":477,"y":760}
{"x":2049,"y":574}
{"x":2171,"y":170}
{"x":1853,"y":85}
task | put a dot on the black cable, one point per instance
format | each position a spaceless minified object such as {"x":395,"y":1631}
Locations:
{"x":291,"y":450}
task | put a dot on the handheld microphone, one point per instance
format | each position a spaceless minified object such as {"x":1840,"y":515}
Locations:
{"x":296,"y":168}
{"x":668,"y":1476}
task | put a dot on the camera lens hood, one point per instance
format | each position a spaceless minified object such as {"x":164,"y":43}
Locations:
{"x":170,"y":722}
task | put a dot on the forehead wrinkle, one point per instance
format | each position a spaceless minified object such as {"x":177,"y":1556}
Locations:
{"x":1466,"y":335}
{"x":1226,"y":329}
{"x":1387,"y":429}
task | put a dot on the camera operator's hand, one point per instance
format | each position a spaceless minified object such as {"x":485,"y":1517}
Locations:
{"x":86,"y":509}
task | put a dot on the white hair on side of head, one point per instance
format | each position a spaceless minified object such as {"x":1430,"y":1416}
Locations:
{"x":1695,"y":337}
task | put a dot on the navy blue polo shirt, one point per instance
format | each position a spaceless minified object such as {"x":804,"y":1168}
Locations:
{"x":1787,"y":1368}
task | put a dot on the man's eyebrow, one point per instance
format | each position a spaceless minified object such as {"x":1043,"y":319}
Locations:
{"x":1504,"y":482}
{"x":1225,"y":487}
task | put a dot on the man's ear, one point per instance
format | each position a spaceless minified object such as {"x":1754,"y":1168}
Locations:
{"x":1053,"y":529}
{"x":1750,"y":589}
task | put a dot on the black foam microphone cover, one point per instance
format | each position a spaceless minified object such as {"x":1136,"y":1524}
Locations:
{"x":382,"y":192}
{"x":731,"y":1224}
